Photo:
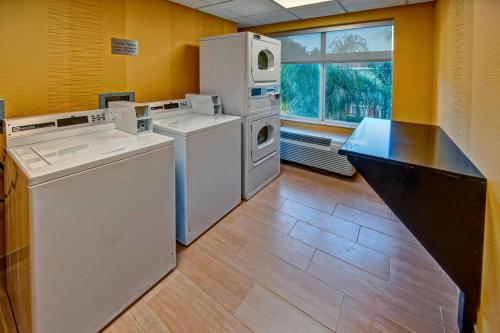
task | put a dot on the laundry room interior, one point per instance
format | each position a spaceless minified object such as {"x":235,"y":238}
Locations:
{"x":250,"y":166}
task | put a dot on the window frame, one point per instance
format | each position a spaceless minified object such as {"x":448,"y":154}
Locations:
{"x":375,"y":56}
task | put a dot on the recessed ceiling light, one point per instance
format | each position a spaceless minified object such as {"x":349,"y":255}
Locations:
{"x":298,"y":3}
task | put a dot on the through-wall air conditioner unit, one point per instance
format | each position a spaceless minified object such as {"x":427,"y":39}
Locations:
{"x":315,"y":149}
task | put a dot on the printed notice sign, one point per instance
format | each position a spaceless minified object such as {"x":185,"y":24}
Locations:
{"x":124,"y":46}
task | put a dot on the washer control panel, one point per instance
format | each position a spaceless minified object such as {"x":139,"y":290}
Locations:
{"x":164,"y":108}
{"x":98,"y":117}
{"x":21,"y":127}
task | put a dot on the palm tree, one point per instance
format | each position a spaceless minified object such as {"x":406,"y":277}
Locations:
{"x":300,"y":90}
{"x":299,"y":82}
{"x":348,"y":44}
{"x":353,"y":91}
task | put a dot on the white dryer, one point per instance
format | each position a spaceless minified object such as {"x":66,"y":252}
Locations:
{"x":89,"y":216}
{"x":261,"y":151}
{"x":232,"y":65}
{"x":207,"y":164}
{"x":244,"y":69}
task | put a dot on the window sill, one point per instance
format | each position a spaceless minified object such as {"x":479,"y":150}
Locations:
{"x":333,"y":123}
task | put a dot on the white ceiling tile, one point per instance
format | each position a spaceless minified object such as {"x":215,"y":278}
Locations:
{"x":213,"y":2}
{"x":255,"y":12}
{"x":359,"y":5}
{"x":274,"y":17}
{"x":250,"y":7}
{"x":411,"y":2}
{"x":318,"y":10}
{"x":192,"y":3}
{"x":219,"y":11}
{"x":245,"y":22}
{"x":298,"y":3}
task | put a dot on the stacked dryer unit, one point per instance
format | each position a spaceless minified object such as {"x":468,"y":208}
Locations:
{"x":244,"y":70}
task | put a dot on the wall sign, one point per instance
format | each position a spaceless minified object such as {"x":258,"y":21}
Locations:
{"x":124,"y":46}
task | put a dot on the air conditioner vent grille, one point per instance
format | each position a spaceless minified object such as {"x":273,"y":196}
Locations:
{"x":306,"y":148}
{"x":326,"y":142}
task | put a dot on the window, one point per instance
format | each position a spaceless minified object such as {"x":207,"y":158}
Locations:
{"x":339,"y":74}
{"x":300,"y":87}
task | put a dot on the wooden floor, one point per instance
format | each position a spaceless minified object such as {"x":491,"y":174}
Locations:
{"x":7,"y":324}
{"x":310,"y":253}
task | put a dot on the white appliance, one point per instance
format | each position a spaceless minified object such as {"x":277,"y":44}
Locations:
{"x":232,"y":65}
{"x":205,"y":104}
{"x":207,"y":164}
{"x":90,"y":219}
{"x":244,"y":69}
{"x":132,"y":117}
{"x":315,"y":149}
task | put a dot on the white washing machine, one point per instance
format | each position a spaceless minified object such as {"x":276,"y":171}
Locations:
{"x":89,"y":217}
{"x":207,"y":164}
{"x":244,"y":70}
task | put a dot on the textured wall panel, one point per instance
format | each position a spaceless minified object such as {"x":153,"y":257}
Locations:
{"x":23,"y":57}
{"x":484,"y":147}
{"x":75,"y":64}
{"x":468,"y":99}
{"x":457,"y":69}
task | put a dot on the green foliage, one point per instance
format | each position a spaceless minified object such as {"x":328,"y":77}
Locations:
{"x":348,"y":44}
{"x":355,"y":91}
{"x":352,"y":91}
{"x":300,"y":90}
{"x":295,"y":50}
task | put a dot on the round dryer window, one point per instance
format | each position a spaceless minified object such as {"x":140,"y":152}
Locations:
{"x":265,"y":60}
{"x":265,"y":139}
{"x":263,"y":135}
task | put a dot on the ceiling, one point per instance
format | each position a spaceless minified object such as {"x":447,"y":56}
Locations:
{"x":249,"y":13}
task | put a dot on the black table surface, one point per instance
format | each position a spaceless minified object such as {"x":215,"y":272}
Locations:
{"x":418,"y":145}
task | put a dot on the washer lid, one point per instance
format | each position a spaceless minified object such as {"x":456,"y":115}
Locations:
{"x":192,"y":123}
{"x":53,"y":159}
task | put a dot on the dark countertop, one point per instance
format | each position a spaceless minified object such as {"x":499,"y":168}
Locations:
{"x":419,"y":145}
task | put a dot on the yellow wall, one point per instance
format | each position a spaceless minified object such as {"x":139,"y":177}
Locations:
{"x":55,"y":55}
{"x":467,"y":81}
{"x":413,"y":55}
{"x":317,"y":127}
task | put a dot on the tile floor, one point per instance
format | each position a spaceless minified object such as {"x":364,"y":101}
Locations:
{"x":310,"y":253}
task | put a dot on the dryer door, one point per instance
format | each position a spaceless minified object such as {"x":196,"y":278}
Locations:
{"x":266,"y":61}
{"x":265,"y":137}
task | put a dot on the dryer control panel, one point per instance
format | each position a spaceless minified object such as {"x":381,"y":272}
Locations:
{"x":263,"y":98}
{"x":265,"y":91}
